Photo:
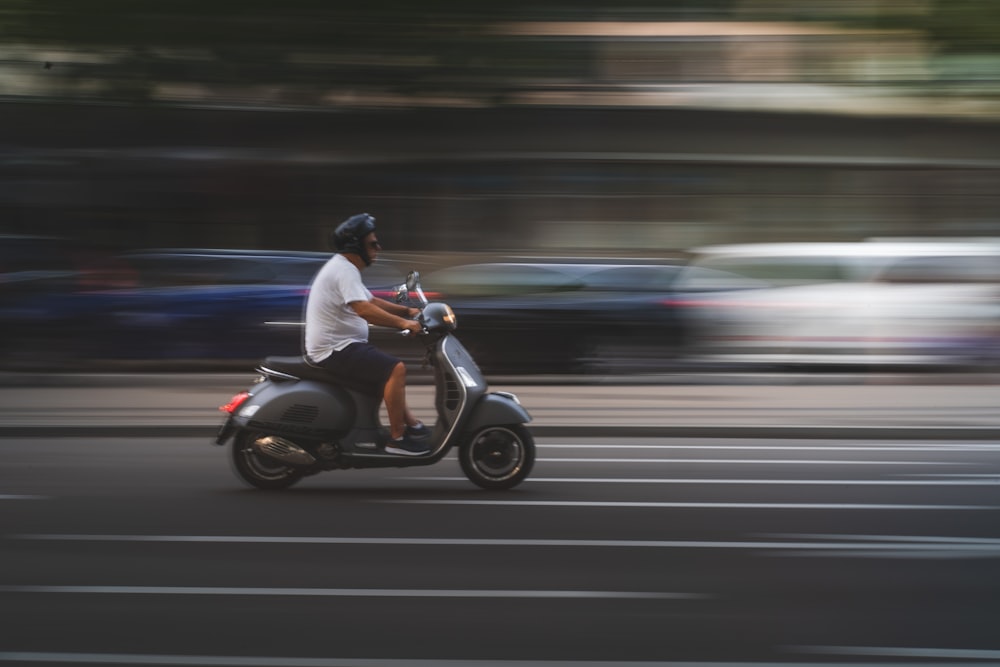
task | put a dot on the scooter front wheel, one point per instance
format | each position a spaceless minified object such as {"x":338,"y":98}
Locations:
{"x":258,"y":470}
{"x":498,"y":457}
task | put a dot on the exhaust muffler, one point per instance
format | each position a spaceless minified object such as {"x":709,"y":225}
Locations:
{"x":283,"y":450}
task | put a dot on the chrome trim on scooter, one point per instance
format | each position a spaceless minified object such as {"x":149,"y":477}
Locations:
{"x":507,"y":394}
{"x":275,"y":374}
{"x":283,"y":450}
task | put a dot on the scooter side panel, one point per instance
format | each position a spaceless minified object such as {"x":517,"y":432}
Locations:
{"x":463,"y":383}
{"x":496,"y":410}
{"x":304,"y":408}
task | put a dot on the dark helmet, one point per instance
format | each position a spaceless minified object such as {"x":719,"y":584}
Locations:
{"x":349,"y":235}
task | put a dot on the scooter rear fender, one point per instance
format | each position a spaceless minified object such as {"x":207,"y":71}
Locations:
{"x":496,"y":409}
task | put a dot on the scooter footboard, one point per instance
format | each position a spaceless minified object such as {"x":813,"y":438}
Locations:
{"x":497,"y":408}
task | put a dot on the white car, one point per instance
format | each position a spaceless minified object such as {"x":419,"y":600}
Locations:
{"x":871,"y":303}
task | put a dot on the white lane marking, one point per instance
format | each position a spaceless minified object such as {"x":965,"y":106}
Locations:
{"x":756,"y":461}
{"x":990,"y":480}
{"x":401,"y":541}
{"x":393,"y":541}
{"x":678,"y":505}
{"x":937,"y":447}
{"x":352,"y":592}
{"x":902,"y":652}
{"x":942,"y":539}
{"x":900,"y":546}
{"x":956,"y":475}
{"x":775,"y":542}
{"x":247,"y":661}
{"x":6,"y":496}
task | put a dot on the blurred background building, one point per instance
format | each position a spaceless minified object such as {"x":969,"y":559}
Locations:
{"x":556,"y":127}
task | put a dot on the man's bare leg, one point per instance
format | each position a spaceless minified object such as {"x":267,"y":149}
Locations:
{"x":395,"y":402}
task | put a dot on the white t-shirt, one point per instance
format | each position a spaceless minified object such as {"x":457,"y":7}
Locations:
{"x":331,"y":323}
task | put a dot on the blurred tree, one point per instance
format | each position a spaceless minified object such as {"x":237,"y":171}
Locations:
{"x":305,"y":51}
{"x":314,"y":47}
{"x":965,"y":26}
{"x":955,"y":26}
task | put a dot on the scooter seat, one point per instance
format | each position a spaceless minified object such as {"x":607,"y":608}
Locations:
{"x":297,"y":367}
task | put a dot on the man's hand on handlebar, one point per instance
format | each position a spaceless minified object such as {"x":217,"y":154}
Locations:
{"x":413,"y":327}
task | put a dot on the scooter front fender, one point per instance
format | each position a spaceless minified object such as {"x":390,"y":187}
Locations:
{"x":496,"y":409}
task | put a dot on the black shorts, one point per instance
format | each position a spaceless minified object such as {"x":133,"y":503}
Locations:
{"x":362,"y":367}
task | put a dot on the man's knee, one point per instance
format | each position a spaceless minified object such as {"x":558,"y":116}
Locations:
{"x":395,"y":384}
{"x":398,"y":372}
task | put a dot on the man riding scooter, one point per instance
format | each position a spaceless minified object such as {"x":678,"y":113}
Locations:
{"x":339,"y":309}
{"x":297,"y":419}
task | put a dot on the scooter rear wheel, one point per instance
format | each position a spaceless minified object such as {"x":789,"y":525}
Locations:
{"x":258,"y":470}
{"x":498,"y":457}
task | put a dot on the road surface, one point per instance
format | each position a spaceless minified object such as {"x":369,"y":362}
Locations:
{"x":148,"y":551}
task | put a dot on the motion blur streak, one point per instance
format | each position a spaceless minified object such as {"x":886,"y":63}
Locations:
{"x":509,"y":133}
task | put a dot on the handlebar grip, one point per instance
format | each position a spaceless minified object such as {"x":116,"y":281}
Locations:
{"x":408,"y":332}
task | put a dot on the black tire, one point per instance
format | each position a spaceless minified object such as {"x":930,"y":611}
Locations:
{"x":262,"y":472}
{"x":498,"y":457}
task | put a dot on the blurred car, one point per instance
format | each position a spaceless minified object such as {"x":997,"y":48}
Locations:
{"x":187,"y":266}
{"x":39,"y":275}
{"x":221,"y":304}
{"x":27,"y":259}
{"x":559,"y":317}
{"x":177,"y":267}
{"x":174,"y":306}
{"x":893,"y":304}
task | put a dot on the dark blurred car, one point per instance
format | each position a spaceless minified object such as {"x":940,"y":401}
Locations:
{"x":177,"y":267}
{"x":27,"y":260}
{"x":565,"y":317}
{"x":221,"y":304}
{"x":39,"y":276}
{"x":179,"y":306}
{"x":205,"y":305}
{"x":186,"y":266}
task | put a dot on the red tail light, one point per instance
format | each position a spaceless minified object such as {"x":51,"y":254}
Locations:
{"x":234,"y":404}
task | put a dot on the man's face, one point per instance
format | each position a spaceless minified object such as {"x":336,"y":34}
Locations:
{"x":371,"y":246}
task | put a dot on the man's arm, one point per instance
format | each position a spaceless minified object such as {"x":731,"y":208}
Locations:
{"x":396,"y":308}
{"x":375,"y":313}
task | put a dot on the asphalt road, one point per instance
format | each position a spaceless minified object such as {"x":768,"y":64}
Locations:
{"x":148,"y":551}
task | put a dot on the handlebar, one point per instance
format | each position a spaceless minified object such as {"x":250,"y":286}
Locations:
{"x":408,"y":332}
{"x":402,"y":294}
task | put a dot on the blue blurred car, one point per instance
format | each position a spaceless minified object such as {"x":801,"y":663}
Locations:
{"x":174,"y":307}
{"x":39,"y":279}
{"x":217,"y":305}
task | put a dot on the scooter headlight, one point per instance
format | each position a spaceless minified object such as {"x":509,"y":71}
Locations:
{"x":450,"y":319}
{"x":439,"y":317}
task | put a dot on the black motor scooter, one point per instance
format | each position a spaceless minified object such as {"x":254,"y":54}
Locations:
{"x":295,"y":421}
